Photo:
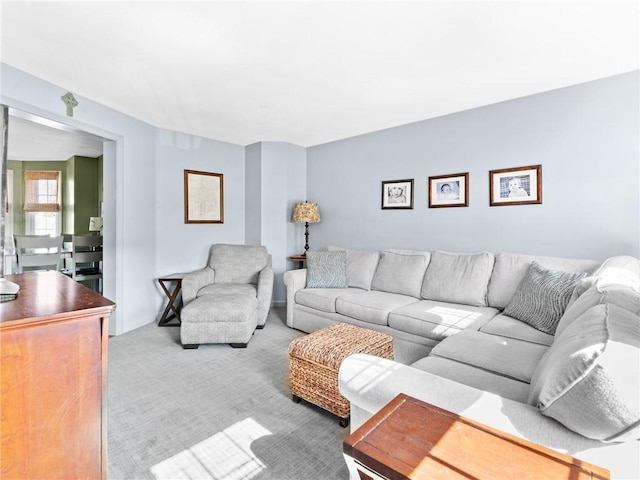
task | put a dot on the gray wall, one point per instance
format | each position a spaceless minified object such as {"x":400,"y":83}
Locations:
{"x":585,"y":137}
{"x":184,"y":247}
{"x":275,"y":173}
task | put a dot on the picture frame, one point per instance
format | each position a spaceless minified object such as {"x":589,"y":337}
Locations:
{"x":203,"y":197}
{"x":397,"y":194}
{"x":515,"y":186}
{"x":449,"y":190}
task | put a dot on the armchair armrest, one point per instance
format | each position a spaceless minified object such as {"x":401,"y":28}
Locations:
{"x":265,"y":293}
{"x":194,"y":281}
{"x":294,"y":280}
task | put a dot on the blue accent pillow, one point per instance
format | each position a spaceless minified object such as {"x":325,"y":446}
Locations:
{"x":327,"y":269}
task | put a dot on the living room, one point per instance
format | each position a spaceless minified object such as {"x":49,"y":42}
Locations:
{"x":584,"y":134}
{"x":584,"y":137}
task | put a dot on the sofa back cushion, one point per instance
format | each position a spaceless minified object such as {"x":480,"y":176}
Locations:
{"x":401,"y":271}
{"x":622,"y":296}
{"x":237,"y":263}
{"x":616,"y":281}
{"x":589,"y":378}
{"x":361,"y":266}
{"x":458,"y":278}
{"x":510,"y":269}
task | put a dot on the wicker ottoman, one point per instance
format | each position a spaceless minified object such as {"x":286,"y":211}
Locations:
{"x":314,"y":361}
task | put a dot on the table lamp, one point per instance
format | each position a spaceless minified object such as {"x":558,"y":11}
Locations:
{"x":306,"y":213}
{"x":95,"y":224}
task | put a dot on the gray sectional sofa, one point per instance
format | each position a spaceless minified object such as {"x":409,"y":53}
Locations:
{"x":545,"y":348}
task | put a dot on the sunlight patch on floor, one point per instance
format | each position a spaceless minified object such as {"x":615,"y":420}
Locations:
{"x":225,"y":455}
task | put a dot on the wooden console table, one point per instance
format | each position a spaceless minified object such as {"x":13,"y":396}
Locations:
{"x":410,"y":439}
{"x":53,"y":350}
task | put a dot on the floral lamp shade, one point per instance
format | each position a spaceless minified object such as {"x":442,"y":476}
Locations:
{"x":306,"y":212}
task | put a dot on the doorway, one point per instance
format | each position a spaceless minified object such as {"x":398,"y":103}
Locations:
{"x":34,"y":138}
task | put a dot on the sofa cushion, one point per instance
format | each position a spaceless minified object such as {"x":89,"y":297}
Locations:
{"x":590,"y":377}
{"x":327,"y":269}
{"x":475,"y":377}
{"x":371,"y":307}
{"x":361,"y":266}
{"x":323,"y":299}
{"x":619,"y":295}
{"x":400,"y":272}
{"x":542,"y":297}
{"x":509,"y":327}
{"x":504,"y":356}
{"x":458,"y":278}
{"x":510,"y":269}
{"x":620,"y":270}
{"x":438,"y":320}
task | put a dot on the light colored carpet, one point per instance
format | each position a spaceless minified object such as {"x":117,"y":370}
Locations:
{"x":215,"y":412}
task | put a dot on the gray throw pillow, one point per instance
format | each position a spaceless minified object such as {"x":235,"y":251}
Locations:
{"x":327,"y":269}
{"x":542,"y":297}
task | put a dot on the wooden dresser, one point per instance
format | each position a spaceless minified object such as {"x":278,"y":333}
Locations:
{"x":53,"y":371}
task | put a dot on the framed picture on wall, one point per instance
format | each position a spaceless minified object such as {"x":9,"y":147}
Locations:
{"x":515,"y":186}
{"x":397,"y":194}
{"x":203,"y":197}
{"x":449,"y":190}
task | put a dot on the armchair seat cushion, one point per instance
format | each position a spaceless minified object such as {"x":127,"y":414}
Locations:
{"x":229,"y":289}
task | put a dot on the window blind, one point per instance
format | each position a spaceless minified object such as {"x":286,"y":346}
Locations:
{"x":41,"y":191}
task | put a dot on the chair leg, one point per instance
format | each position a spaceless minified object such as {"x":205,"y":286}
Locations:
{"x":238,"y":345}
{"x":190,"y":346}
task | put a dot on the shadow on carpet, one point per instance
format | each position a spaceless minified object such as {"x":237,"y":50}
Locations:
{"x":214,"y":413}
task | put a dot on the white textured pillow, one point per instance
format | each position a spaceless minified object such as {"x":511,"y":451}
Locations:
{"x":589,"y":378}
{"x":400,"y":272}
{"x":458,"y":278}
{"x":361,"y":266}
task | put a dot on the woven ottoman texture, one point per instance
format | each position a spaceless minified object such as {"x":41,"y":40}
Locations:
{"x":314,"y":361}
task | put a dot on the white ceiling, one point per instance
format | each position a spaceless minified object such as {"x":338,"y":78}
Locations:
{"x":313,"y":72}
{"x":30,"y":140}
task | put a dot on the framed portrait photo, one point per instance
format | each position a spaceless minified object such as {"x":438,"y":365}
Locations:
{"x":397,"y":194}
{"x":515,"y":186}
{"x":203,"y":197}
{"x":449,"y":190}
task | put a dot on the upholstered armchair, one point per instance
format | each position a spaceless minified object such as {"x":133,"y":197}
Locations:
{"x":228,"y":299}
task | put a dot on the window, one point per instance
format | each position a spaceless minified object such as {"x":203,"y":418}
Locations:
{"x":42,"y":202}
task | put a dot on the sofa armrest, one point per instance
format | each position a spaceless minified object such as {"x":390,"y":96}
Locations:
{"x":370,"y":382}
{"x":265,"y":293}
{"x":294,"y":280}
{"x":194,"y":281}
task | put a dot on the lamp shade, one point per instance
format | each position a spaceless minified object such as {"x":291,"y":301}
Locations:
{"x":306,"y":212}
{"x":95,"y":224}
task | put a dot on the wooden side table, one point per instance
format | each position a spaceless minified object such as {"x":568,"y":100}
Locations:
{"x":300,"y":259}
{"x":174,"y":300}
{"x":411,"y":439}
